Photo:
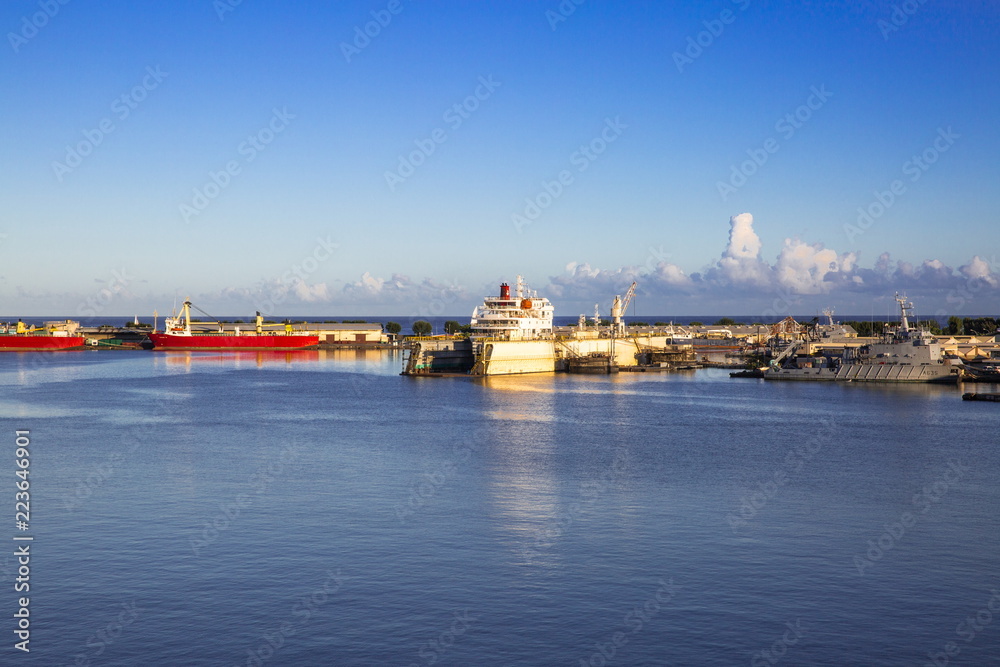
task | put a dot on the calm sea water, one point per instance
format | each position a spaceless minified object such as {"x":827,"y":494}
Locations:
{"x":317,"y":509}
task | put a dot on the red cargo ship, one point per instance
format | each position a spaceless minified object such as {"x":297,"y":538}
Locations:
{"x":55,"y":337}
{"x":178,"y":336}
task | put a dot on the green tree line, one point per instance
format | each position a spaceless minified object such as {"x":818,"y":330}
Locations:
{"x":957,"y":326}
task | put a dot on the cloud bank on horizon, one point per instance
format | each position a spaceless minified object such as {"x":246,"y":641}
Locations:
{"x":800,"y":270}
{"x":742,"y":281}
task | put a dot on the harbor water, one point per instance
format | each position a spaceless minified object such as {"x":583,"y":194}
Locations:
{"x":315,"y":508}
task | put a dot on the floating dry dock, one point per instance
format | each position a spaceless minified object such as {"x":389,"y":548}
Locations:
{"x":512,"y":333}
{"x":512,"y":357}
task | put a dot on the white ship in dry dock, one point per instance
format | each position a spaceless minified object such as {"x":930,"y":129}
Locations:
{"x":906,"y":354}
{"x":518,"y":317}
{"x":524,"y":319}
{"x":512,"y":333}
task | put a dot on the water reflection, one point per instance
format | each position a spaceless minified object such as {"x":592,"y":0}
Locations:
{"x":523,"y":485}
{"x":236,"y":359}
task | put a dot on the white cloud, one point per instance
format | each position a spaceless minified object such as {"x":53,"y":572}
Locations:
{"x":812,"y":269}
{"x":741,"y":264}
{"x":980,"y":271}
{"x":800,"y":269}
{"x":399,"y":289}
{"x":581,"y":281}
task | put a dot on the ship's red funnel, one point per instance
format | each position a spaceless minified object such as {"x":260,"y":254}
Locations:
{"x":504,"y":291}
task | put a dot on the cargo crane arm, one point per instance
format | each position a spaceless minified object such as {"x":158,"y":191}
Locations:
{"x":788,"y":351}
{"x":619,"y":308}
{"x":628,"y":297}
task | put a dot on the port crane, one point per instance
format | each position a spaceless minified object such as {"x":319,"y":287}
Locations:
{"x":619,"y":308}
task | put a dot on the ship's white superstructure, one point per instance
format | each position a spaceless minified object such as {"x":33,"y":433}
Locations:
{"x":521,"y":316}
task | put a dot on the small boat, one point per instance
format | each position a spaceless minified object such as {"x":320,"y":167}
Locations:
{"x":748,"y":373}
{"x":993,"y":398}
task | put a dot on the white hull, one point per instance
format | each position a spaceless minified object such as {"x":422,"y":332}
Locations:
{"x":546,"y":356}
{"x":516,"y":357}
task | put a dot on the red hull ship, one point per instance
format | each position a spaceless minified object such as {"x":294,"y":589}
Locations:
{"x":27,"y":342}
{"x":242,"y":341}
{"x":56,"y":338}
{"x":178,"y":336}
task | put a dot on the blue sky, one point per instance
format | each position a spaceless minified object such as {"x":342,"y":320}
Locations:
{"x":273,"y":156}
